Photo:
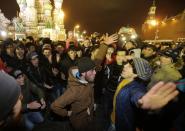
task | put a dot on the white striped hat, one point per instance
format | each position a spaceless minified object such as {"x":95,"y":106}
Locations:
{"x":143,"y":68}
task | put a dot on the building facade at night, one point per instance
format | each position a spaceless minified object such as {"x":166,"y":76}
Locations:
{"x":172,"y":28}
{"x":41,"y":18}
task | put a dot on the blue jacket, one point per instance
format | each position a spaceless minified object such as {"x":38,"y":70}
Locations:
{"x":126,"y":105}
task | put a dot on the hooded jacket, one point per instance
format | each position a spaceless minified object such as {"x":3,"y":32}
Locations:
{"x":165,"y":73}
{"x":80,"y":96}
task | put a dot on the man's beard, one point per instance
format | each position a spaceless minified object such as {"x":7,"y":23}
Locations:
{"x":90,"y":80}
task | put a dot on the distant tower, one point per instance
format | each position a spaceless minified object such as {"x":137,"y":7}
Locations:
{"x":40,"y":19}
{"x":152,"y":12}
{"x":58,"y":14}
{"x":58,"y":20}
{"x":31,"y":18}
{"x":22,"y":6}
{"x":39,"y":5}
{"x":47,"y":13}
{"x":151,"y":18}
{"x":150,"y":25}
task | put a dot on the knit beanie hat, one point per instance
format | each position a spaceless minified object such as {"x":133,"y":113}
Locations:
{"x":32,"y":55}
{"x":85,"y":64}
{"x":143,"y":68}
{"x":9,"y":94}
{"x":17,"y":73}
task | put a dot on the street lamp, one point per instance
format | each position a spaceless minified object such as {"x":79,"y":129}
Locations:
{"x":3,"y":33}
{"x":154,"y":23}
{"x":84,"y":32}
{"x":61,"y":15}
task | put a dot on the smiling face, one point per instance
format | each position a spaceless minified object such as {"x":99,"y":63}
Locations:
{"x":128,"y":72}
{"x":20,"y":51}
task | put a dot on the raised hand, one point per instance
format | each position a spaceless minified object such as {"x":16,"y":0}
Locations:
{"x":55,"y":71}
{"x":108,"y":40}
{"x":158,"y":96}
{"x":34,"y":105}
{"x":69,"y":113}
{"x":43,"y":104}
{"x":47,"y":86}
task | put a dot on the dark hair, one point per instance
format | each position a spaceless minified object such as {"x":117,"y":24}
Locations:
{"x":71,"y":48}
{"x":131,"y":62}
{"x":30,"y":38}
{"x":46,"y":41}
{"x":29,"y":44}
{"x":133,"y":42}
{"x":20,"y":45}
{"x":150,"y":46}
{"x":60,"y":43}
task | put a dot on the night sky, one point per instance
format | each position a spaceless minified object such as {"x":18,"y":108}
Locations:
{"x":106,"y":15}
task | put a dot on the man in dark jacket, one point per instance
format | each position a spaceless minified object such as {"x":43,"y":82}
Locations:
{"x":132,"y":100}
{"x":80,"y":93}
{"x":32,"y":102}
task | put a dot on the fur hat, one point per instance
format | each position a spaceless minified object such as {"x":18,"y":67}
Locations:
{"x":143,"y":68}
{"x":165,"y":73}
{"x":85,"y":64}
{"x":9,"y":94}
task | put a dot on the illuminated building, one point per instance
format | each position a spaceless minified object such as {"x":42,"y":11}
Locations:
{"x":41,"y":19}
{"x":172,"y":28}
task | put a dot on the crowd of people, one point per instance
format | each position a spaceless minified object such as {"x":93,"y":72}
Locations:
{"x":99,"y":84}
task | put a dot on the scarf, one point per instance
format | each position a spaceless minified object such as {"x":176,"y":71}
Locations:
{"x":122,"y":84}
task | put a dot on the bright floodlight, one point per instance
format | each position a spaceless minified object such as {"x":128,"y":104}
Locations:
{"x":3,"y":33}
{"x":77,"y":26}
{"x":84,"y":32}
{"x":154,"y":22}
{"x":61,"y":15}
{"x":123,"y":38}
{"x":133,"y":36}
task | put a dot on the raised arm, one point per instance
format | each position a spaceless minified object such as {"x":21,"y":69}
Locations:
{"x":158,"y":96}
{"x":108,"y":40}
